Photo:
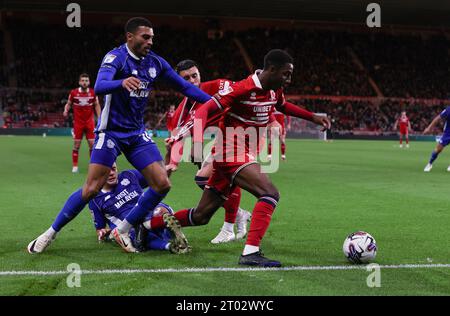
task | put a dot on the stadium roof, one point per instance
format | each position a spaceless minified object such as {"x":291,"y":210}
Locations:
{"x":403,"y":12}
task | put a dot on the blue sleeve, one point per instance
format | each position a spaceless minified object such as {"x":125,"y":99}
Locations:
{"x":97,"y":215}
{"x":156,"y":242}
{"x":181,"y":85}
{"x":444,"y":114}
{"x":105,"y":83}
{"x":142,"y":182}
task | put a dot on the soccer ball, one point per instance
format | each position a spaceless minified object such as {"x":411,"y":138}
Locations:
{"x":360,"y":247}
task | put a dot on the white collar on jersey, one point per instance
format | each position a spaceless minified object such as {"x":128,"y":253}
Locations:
{"x":132,"y":54}
{"x":256,"y":79}
{"x":81,"y":90}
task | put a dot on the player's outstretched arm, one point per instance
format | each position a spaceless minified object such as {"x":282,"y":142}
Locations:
{"x":432,"y":124}
{"x":294,"y":110}
{"x":181,"y":85}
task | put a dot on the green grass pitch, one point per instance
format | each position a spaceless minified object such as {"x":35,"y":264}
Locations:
{"x":328,"y":190}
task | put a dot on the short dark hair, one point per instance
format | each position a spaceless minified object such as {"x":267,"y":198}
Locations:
{"x":83,"y":75}
{"x":277,"y":58}
{"x":184,"y":65}
{"x":133,"y":23}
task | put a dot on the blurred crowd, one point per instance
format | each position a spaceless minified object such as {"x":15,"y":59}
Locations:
{"x":327,"y":62}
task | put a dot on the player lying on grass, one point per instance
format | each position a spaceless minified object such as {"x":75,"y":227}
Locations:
{"x":234,"y":215}
{"x":444,"y":116}
{"x":113,"y":203}
{"x":247,"y":106}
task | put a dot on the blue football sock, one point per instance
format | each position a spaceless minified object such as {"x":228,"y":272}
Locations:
{"x":148,"y":201}
{"x":74,"y":205}
{"x":433,"y":157}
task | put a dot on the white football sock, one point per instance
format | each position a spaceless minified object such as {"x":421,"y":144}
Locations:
{"x":124,"y":227}
{"x":229,"y":227}
{"x":248,"y":249}
{"x":50,"y":232}
{"x":147,"y":225}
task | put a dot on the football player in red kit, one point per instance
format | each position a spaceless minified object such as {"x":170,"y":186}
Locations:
{"x":234,"y":215}
{"x":84,"y":102}
{"x":404,"y":126}
{"x":246,"y":106}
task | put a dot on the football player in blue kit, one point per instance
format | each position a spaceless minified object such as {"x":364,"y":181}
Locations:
{"x":126,"y":77}
{"x":115,"y":201}
{"x":445,"y":139}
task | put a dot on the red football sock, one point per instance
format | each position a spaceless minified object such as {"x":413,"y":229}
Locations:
{"x":231,"y":205}
{"x":283,"y":149}
{"x":269,"y":148}
{"x":407,"y":141}
{"x":262,"y":214}
{"x":75,"y":158}
{"x":401,"y":141}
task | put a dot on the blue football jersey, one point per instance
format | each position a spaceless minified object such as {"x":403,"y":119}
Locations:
{"x":116,"y":204}
{"x":123,"y":111}
{"x":445,"y":116}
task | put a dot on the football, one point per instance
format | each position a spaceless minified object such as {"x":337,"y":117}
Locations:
{"x":360,"y":247}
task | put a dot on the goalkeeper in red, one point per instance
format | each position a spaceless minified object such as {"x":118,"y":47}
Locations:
{"x":247,"y":105}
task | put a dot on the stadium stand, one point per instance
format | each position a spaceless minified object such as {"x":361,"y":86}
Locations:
{"x":362,"y":79}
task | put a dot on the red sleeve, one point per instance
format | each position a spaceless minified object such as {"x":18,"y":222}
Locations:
{"x":291,"y":109}
{"x":228,"y":97}
{"x":202,"y":115}
{"x":71,"y":96}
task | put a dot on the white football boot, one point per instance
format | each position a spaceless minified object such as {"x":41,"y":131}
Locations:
{"x":124,"y":240}
{"x":223,"y":237}
{"x":448,"y":169}
{"x":74,"y":169}
{"x":39,"y":244}
{"x":242,"y":218}
{"x":428,"y":167}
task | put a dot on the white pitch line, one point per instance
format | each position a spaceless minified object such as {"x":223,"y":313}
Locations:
{"x":200,"y":270}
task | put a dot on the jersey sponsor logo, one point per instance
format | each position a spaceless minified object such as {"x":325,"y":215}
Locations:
{"x":273,"y":96}
{"x":142,"y":92}
{"x":107,"y":197}
{"x":125,"y":182}
{"x":225,"y":91}
{"x":109,"y":144}
{"x":152,"y":72}
{"x":109,"y":58}
{"x":83,"y":101}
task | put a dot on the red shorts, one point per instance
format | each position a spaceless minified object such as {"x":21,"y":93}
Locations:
{"x":222,"y":178}
{"x":404,"y":131}
{"x":83,"y":128}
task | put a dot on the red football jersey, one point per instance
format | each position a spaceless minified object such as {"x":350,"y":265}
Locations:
{"x":187,"y":107}
{"x":170,"y":120}
{"x":403,"y":122}
{"x":83,"y":105}
{"x":249,"y":106}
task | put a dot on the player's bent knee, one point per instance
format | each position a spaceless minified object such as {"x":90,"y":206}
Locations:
{"x":89,"y":192}
{"x":163,"y":186}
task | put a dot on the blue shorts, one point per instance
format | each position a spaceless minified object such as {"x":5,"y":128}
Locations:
{"x":140,"y":150}
{"x":445,"y":140}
